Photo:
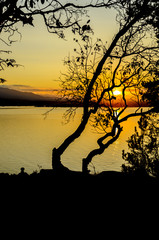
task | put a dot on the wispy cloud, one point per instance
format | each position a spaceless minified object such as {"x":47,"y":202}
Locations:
{"x":43,"y":90}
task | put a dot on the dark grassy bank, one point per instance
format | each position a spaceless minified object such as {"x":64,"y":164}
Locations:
{"x":103,"y":182}
{"x":107,"y":195}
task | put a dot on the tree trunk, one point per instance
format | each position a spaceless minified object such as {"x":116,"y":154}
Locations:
{"x":57,"y":152}
{"x":56,"y":162}
{"x":88,"y":159}
{"x":85,"y":166}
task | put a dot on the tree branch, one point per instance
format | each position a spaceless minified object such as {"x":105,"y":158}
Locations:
{"x":153,"y":109}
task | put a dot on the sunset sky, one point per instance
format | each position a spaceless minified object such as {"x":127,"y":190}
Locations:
{"x":41,"y":53}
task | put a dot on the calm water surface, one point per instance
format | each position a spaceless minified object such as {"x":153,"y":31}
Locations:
{"x":27,"y":139}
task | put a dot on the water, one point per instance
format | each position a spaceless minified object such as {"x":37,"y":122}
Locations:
{"x":27,"y":139}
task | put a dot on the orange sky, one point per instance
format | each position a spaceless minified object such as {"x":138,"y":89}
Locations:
{"x":42,"y":53}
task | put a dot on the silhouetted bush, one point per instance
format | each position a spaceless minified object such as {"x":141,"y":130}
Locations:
{"x":143,"y":157}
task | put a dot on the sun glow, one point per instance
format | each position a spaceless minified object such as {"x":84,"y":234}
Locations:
{"x":116,"y":92}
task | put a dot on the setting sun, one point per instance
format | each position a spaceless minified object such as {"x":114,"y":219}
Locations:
{"x":116,"y":92}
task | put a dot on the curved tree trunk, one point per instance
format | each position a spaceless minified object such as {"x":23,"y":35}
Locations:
{"x":102,"y":147}
{"x":56,"y":162}
{"x":57,"y":152}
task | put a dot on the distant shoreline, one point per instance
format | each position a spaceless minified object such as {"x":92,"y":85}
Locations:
{"x":17,"y":103}
{"x":10,"y":97}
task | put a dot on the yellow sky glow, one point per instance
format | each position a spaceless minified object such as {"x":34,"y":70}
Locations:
{"x":41,"y":54}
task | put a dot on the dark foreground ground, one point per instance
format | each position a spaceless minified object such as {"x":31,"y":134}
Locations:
{"x":106,"y":203}
{"x":103,"y":183}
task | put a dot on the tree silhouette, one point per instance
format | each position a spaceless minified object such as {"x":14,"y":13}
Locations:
{"x":97,"y":71}
{"x":143,"y":157}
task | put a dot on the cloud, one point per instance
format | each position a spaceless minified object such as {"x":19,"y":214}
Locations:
{"x":44,"y":90}
{"x":20,"y":85}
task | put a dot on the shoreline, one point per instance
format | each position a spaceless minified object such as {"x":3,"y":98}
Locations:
{"x":103,"y":177}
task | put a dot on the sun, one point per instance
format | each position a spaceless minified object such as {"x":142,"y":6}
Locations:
{"x":116,"y":92}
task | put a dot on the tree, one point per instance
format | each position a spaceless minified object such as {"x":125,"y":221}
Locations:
{"x":98,"y":71}
{"x":143,"y":157}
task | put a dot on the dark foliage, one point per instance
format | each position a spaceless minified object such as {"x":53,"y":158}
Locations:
{"x":152,"y":92}
{"x":143,"y":157}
